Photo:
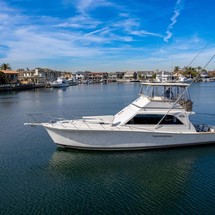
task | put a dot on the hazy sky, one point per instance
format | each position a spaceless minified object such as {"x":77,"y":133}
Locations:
{"x":106,"y":35}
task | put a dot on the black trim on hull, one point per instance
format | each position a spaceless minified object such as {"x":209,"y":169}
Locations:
{"x":134,"y":148}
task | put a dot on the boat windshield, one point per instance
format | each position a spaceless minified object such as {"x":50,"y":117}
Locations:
{"x":165,"y":92}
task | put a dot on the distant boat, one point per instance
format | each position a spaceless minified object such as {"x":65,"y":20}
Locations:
{"x":72,"y":82}
{"x":87,"y":81}
{"x":60,"y":82}
{"x":122,"y":80}
{"x":183,"y":79}
{"x":158,"y":118}
{"x":207,"y":79}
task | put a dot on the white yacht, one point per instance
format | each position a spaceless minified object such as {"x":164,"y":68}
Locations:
{"x":183,"y":79}
{"x":158,"y":118}
{"x":60,"y":82}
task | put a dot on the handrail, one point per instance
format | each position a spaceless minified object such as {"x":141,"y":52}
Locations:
{"x":39,"y":117}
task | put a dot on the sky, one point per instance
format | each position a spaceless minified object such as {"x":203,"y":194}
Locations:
{"x":107,"y":35}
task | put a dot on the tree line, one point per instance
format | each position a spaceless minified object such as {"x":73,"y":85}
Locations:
{"x":189,"y":71}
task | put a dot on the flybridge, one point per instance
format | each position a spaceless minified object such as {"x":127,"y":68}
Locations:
{"x":158,"y":98}
{"x":168,"y":92}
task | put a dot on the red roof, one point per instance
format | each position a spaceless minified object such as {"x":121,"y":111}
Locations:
{"x":9,"y":72}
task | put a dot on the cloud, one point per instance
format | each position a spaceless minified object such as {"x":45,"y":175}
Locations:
{"x":96,"y":31}
{"x":120,"y":38}
{"x":122,"y":24}
{"x":79,"y":22}
{"x":177,"y":10}
{"x":145,"y":33}
{"x":132,"y":27}
{"x":83,"y":6}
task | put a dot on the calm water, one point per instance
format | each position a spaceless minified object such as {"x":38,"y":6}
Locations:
{"x":36,"y":177}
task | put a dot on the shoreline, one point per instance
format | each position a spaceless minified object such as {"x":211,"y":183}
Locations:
{"x":14,"y":87}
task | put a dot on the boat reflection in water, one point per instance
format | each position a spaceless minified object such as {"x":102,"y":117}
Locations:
{"x":127,"y":180}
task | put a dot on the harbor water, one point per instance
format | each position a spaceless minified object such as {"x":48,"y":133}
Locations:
{"x":37,"y":177}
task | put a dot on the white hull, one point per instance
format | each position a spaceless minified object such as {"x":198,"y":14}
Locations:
{"x":60,"y":85}
{"x":158,"y":118}
{"x":126,"y":140}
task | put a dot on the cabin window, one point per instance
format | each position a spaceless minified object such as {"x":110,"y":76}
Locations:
{"x":154,"y":119}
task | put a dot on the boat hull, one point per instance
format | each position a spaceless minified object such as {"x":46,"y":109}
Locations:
{"x":59,"y":85}
{"x":126,"y":140}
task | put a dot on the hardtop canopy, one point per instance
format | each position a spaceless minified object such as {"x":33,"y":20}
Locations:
{"x":165,"y":84}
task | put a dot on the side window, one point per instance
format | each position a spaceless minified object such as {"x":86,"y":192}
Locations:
{"x":169,"y":119}
{"x":153,"y":119}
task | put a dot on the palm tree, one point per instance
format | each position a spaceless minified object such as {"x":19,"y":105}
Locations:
{"x":176,"y":69}
{"x":5,"y":66}
{"x":199,"y":68}
{"x":154,"y":75}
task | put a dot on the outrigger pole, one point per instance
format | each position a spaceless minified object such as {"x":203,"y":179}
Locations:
{"x":185,"y":88}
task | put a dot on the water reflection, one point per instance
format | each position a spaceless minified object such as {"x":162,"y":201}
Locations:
{"x":173,"y":181}
{"x":140,"y":178}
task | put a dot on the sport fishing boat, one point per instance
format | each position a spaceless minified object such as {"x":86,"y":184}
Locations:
{"x":60,"y":82}
{"x":158,"y":118}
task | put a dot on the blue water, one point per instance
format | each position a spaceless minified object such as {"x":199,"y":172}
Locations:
{"x":36,"y":177}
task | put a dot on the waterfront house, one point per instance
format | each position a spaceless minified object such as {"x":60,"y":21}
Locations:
{"x":81,"y":76}
{"x":164,"y":76}
{"x":97,"y":77}
{"x":38,"y":76}
{"x":143,"y":75}
{"x":128,"y":76}
{"x":67,"y":75}
{"x":112,"y":76}
{"x":91,"y":77}
{"x":11,"y":76}
{"x":211,"y":74}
